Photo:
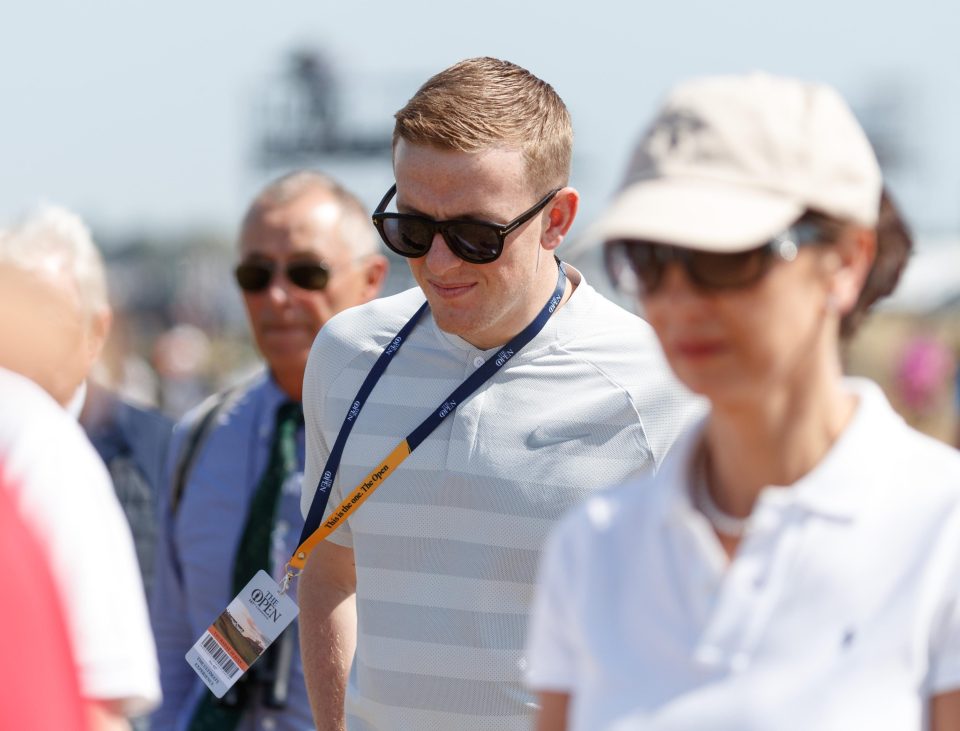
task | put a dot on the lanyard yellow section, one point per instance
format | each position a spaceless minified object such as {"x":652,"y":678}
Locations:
{"x":353,"y":501}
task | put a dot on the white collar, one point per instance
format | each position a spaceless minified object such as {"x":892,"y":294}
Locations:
{"x":75,"y":405}
{"x":833,"y":488}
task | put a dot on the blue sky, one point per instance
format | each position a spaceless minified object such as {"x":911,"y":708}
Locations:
{"x":139,"y":115}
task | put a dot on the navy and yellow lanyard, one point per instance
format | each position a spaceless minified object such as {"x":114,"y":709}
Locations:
{"x":315,"y":529}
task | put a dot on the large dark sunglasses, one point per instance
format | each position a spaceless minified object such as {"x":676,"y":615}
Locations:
{"x":478,"y":242}
{"x":256,"y":276}
{"x":637,"y":267}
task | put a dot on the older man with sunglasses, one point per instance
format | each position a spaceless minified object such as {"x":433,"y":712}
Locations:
{"x":449,"y":426}
{"x":307,"y":251}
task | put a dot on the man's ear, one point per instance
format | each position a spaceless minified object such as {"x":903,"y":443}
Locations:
{"x":98,"y":330}
{"x":375,"y":268}
{"x":560,"y":214}
{"x":853,"y":255}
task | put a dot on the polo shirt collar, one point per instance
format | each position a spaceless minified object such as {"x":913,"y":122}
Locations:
{"x":273,"y":396}
{"x":833,"y":489}
{"x":264,"y":394}
{"x":553,"y":333}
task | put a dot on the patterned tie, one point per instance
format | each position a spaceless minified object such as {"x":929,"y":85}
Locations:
{"x":253,"y":553}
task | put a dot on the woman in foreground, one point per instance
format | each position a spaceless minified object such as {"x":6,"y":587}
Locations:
{"x":795,"y":564}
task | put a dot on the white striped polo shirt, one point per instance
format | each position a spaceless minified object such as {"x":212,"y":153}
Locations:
{"x":447,"y":549}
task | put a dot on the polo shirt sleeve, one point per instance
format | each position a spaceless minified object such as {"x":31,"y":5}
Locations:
{"x":317,"y":446}
{"x":552,"y":655}
{"x":945,"y":638}
{"x":316,"y":449}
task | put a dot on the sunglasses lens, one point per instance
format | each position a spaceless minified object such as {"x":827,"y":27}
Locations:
{"x":408,"y":236}
{"x":253,"y":277}
{"x":411,"y":236}
{"x":726,"y":271}
{"x":308,"y":275}
{"x":636,"y":265}
{"x":473,"y":242}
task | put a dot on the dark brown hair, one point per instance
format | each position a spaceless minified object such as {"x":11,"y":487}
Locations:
{"x":894,"y":246}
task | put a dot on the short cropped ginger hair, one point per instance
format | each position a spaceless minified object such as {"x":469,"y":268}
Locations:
{"x":483,"y":103}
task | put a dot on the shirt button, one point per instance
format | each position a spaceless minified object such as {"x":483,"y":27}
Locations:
{"x":477,"y":362}
{"x":269,"y":724}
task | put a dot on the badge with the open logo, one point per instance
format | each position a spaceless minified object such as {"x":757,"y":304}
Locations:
{"x":241,"y":634}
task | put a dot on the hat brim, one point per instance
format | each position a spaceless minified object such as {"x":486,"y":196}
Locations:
{"x":708,"y":215}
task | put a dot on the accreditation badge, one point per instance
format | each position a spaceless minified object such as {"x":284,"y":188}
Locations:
{"x":241,"y":634}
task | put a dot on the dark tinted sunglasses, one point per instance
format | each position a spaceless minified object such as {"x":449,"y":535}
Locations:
{"x":478,"y":242}
{"x":637,"y":267}
{"x":256,"y":276}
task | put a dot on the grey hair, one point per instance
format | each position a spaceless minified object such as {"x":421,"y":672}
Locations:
{"x":355,"y":229}
{"x":52,"y":233}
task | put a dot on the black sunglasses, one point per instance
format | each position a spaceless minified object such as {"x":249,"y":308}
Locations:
{"x":637,"y":267}
{"x":478,"y":242}
{"x":256,"y":276}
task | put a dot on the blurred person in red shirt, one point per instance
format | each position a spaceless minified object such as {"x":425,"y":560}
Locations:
{"x":40,"y":687}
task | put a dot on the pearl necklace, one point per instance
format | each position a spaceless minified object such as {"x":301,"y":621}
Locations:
{"x":725,"y":523}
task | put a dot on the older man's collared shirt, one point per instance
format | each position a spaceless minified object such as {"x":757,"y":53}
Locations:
{"x":198,"y":544}
{"x":840,"y":609}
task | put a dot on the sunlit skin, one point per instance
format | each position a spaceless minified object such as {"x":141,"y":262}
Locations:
{"x":740,"y":345}
{"x":767,"y":357}
{"x":485,"y":304}
{"x":284,"y":318}
{"x":48,"y":334}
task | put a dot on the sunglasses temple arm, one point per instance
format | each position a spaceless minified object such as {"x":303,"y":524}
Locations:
{"x":386,"y":199}
{"x":505,"y":231}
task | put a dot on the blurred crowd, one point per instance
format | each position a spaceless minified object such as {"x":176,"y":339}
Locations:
{"x":159,"y":406}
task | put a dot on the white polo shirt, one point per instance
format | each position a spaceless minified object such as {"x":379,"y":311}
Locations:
{"x":64,"y":493}
{"x":840,"y":610}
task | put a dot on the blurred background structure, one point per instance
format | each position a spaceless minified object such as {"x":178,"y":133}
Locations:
{"x":156,"y":123}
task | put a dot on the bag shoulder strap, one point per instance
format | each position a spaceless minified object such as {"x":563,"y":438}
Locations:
{"x":197,"y":435}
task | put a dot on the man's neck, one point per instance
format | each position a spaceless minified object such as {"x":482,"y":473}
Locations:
{"x":495,"y":338}
{"x":290,"y":383}
{"x":774,"y":440}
